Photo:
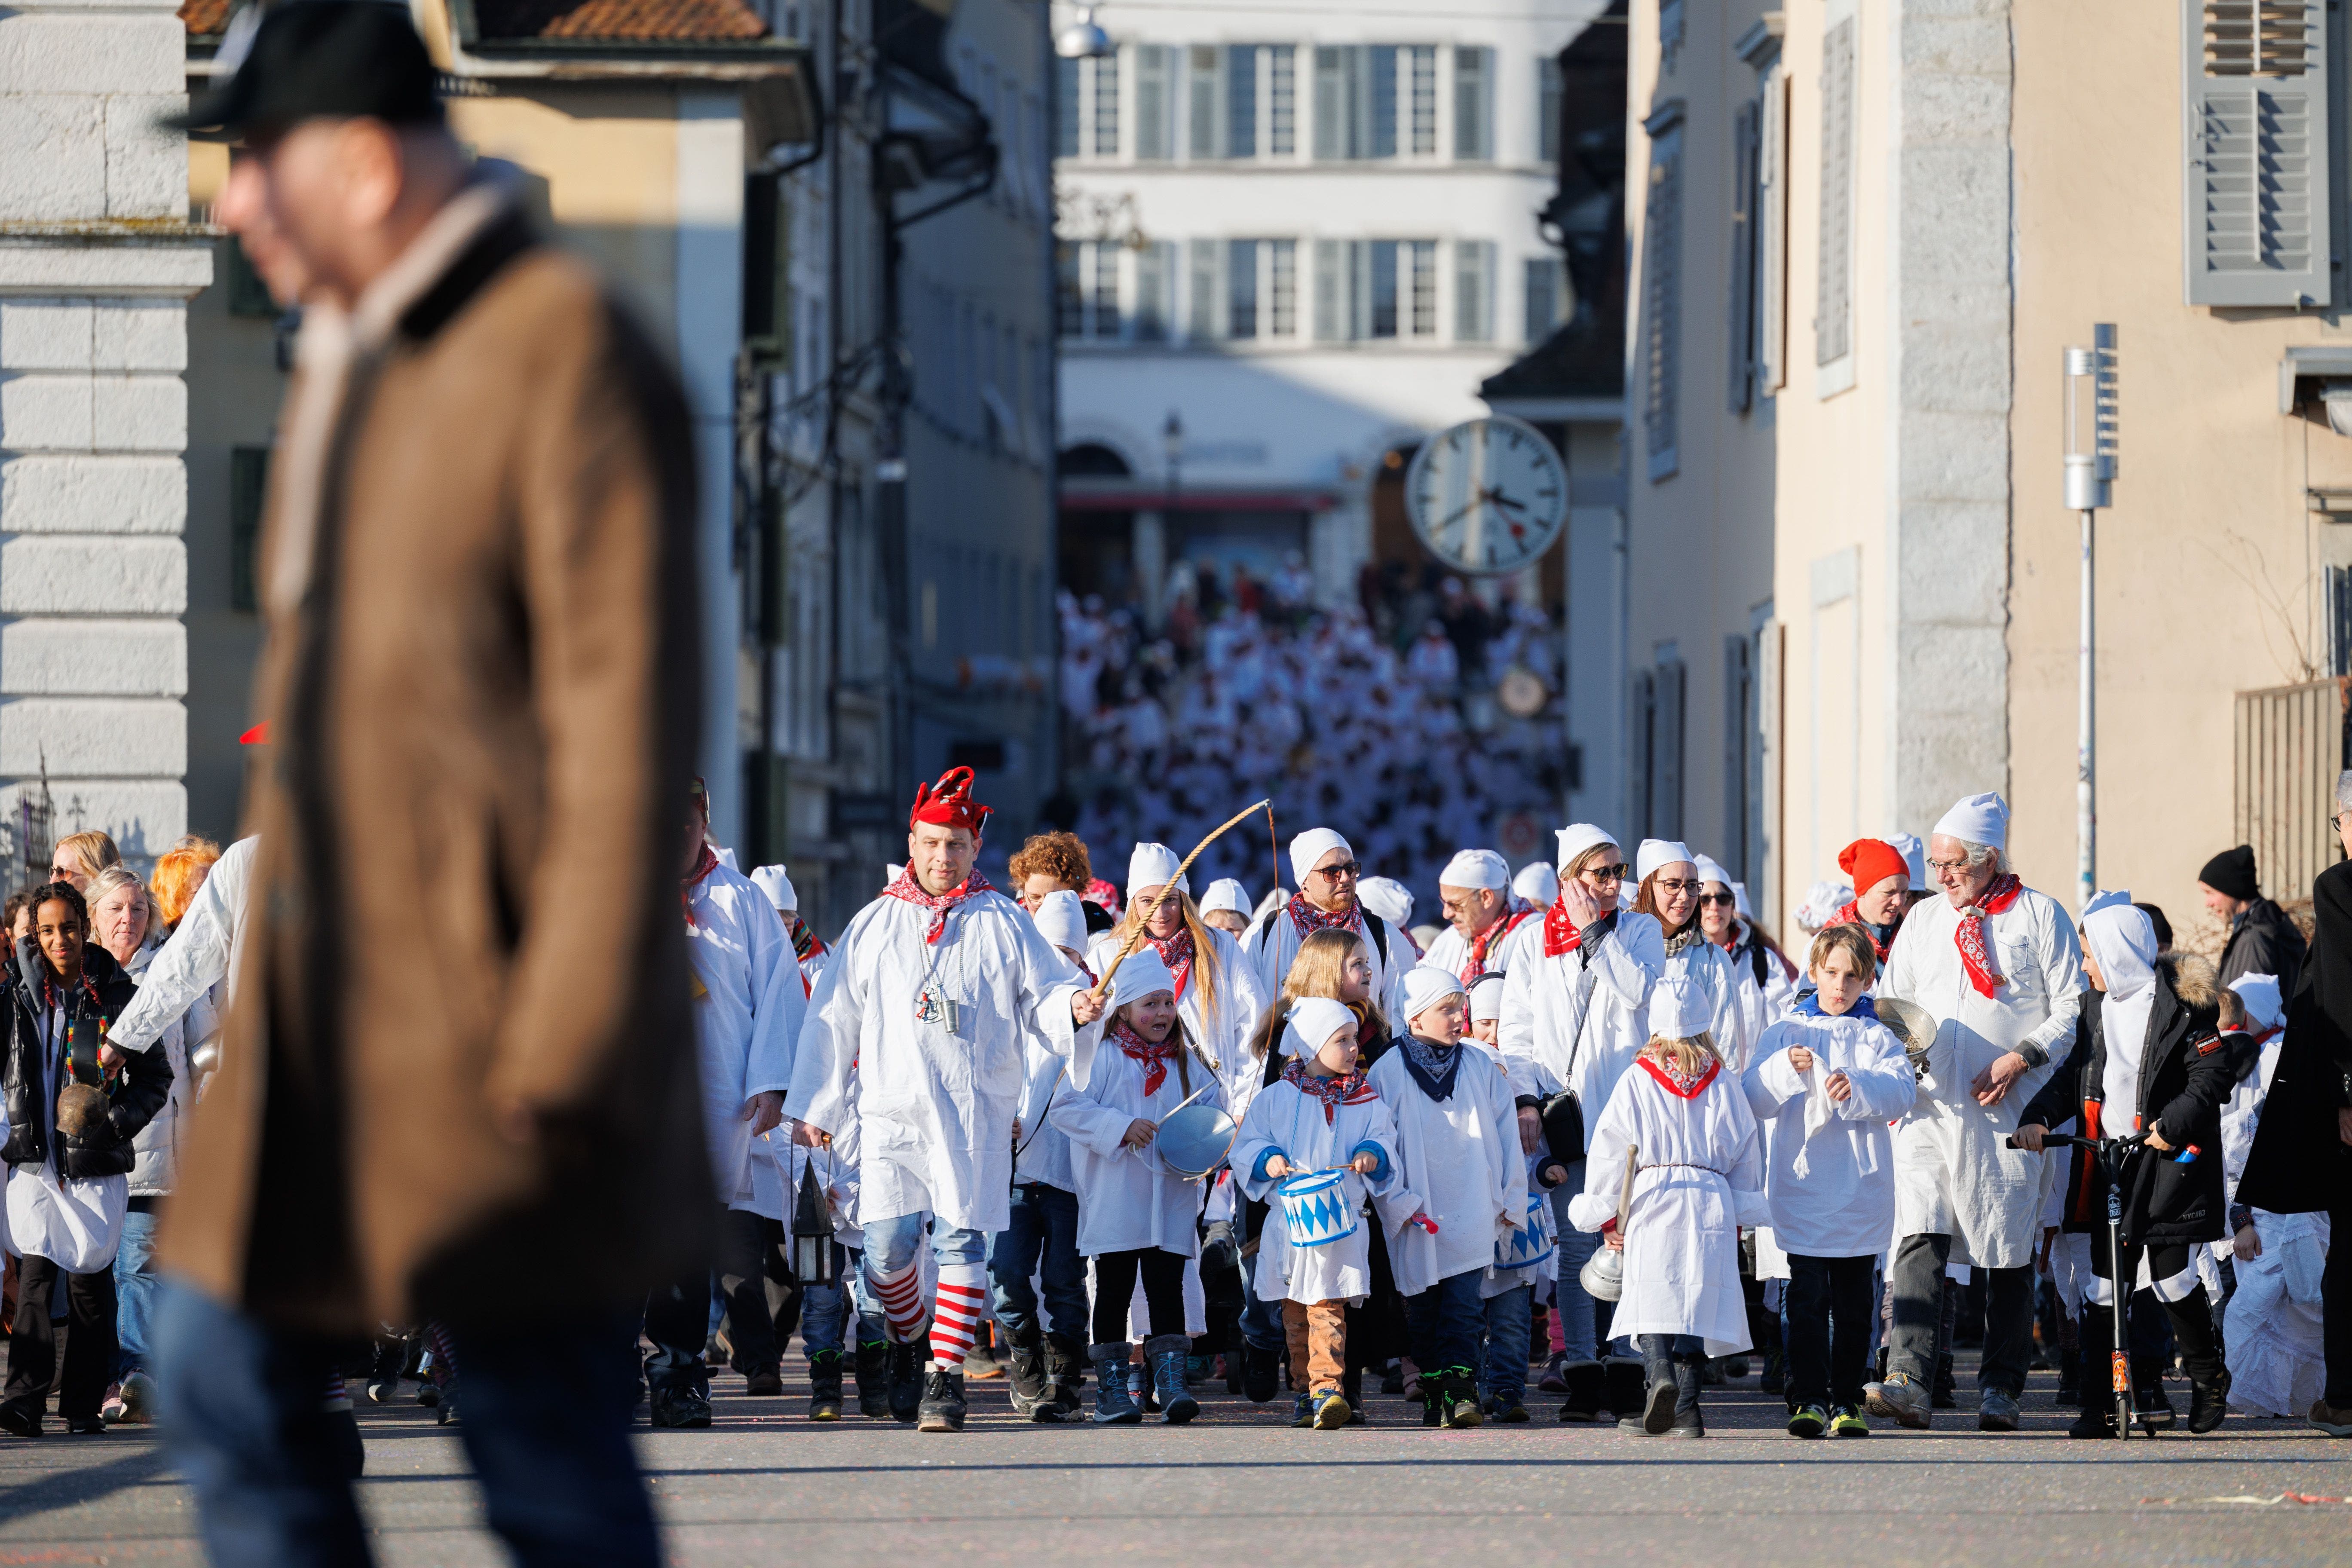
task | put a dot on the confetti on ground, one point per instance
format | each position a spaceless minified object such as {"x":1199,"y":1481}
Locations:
{"x":2255,"y":1502}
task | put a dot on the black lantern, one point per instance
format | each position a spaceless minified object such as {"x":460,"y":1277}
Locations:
{"x":814,"y":1257}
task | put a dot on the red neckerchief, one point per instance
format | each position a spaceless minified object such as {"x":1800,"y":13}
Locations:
{"x":1155,"y":1058}
{"x":1560,"y":934}
{"x":1850,"y":914}
{"x":704,"y":864}
{"x":1674,"y":1083}
{"x":1970,"y":935}
{"x":907,"y":888}
{"x":1333,"y":1092}
{"x":1176,"y":953}
{"x":1487,"y":938}
{"x":1307,"y":920}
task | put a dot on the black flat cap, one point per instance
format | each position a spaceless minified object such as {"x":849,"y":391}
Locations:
{"x":334,"y":59}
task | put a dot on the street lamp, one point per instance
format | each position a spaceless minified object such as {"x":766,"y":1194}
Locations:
{"x":1083,"y":39}
{"x":2090,"y":470}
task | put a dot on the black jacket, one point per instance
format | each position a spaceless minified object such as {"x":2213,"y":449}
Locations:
{"x":2264,"y":941}
{"x":2185,"y":1074}
{"x":2298,"y":1163}
{"x":135,"y":1096}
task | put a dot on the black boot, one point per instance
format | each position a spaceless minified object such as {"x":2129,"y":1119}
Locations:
{"x":872,"y":1379}
{"x":1585,"y":1381}
{"x":1065,"y":1361}
{"x":1025,"y":1375}
{"x":1261,"y":1374}
{"x":1660,"y":1392}
{"x":2200,"y":1356}
{"x":824,"y":1385}
{"x":906,"y":1381}
{"x":1690,"y":1374}
{"x":2092,"y":1338}
{"x":2069,"y":1364}
{"x":1775,"y":1376}
{"x":1351,"y":1389}
{"x":1623,"y":1386}
{"x":942,"y":1406}
{"x":2151,"y":1407}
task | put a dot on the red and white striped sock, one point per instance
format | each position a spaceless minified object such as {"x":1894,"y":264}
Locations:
{"x":956,"y":1321}
{"x":902,"y":1295}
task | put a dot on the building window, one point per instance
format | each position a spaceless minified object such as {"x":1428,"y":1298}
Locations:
{"x":1088,"y":291}
{"x":1474,"y":290}
{"x":1155,"y":103}
{"x":1547,"y":296}
{"x":1834,"y":299}
{"x":1375,"y":100}
{"x":1241,"y":288}
{"x":1474,"y":106}
{"x":1548,"y":102}
{"x":1200,"y":81}
{"x":1103,"y":107}
{"x":1281,"y":102}
{"x":1204,"y":324}
{"x":249,"y":477}
{"x":1423,"y":63}
{"x":1241,"y":100}
{"x":1155,"y":289}
{"x":1421,"y":256}
{"x":1281,"y":287}
{"x":1661,"y":266}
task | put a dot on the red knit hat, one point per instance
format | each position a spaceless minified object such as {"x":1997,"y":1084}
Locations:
{"x":1870,"y":861}
{"x":949,"y":803}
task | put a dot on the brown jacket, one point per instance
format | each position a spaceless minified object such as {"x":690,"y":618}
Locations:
{"x":481,"y":684}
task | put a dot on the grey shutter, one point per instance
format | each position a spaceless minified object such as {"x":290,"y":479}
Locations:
{"x":1206,"y":296}
{"x":1745,"y":142}
{"x":1543,"y":311}
{"x":1155,"y":103}
{"x":1739,"y":748}
{"x":1473,"y":107}
{"x":1203,"y":85}
{"x":1474,"y":291}
{"x":2256,"y":225}
{"x":1066,"y":109}
{"x":1155,"y":279}
{"x":1640,"y":717}
{"x":1666,"y":749}
{"x":2339,"y":620}
{"x":1833,"y":302}
{"x":1330,"y":291}
{"x":1330,"y":102}
{"x":1773,"y":235}
{"x":1662,"y":287}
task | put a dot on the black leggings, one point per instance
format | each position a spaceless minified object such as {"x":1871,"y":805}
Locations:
{"x":1163,"y":1292}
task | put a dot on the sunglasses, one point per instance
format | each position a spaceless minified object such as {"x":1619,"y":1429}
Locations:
{"x":1728,"y":900}
{"x":1616,"y":873}
{"x":1343,"y":870}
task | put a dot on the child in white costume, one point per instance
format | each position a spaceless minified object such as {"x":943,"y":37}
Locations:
{"x":1458,"y":1158}
{"x":1135,"y":1216}
{"x":1825,"y":1082}
{"x":1700,"y":1177}
{"x":1319,"y":1115}
{"x":2272,"y":1327}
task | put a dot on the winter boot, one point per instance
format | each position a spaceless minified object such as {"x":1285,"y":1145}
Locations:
{"x":1113,"y":1405}
{"x":1689,"y":1375}
{"x":2200,"y":1355}
{"x":1624,"y":1387}
{"x":1164,"y":1355}
{"x":1457,"y":1395}
{"x":824,"y":1385}
{"x":1660,"y":1393}
{"x":2093,"y":1379}
{"x":942,"y":1408}
{"x":1026,"y":1375}
{"x":2209,"y":1400}
{"x":874,"y":1379}
{"x":1585,"y":1381}
{"x":1065,"y":1360}
{"x":2151,"y":1407}
{"x":906,"y":1381}
{"x":1261,"y":1374}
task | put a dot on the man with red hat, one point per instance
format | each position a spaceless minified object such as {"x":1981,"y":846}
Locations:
{"x":916,"y":1032}
{"x":1882,"y":887}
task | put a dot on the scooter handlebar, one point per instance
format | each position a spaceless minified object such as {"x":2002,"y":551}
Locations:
{"x":2076,"y":1140}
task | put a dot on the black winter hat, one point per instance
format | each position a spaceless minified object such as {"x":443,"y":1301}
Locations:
{"x":335,"y":60}
{"x":2233,"y":872}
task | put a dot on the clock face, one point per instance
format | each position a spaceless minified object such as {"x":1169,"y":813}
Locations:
{"x":1488,"y":496}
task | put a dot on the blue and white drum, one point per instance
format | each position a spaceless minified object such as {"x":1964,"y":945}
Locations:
{"x":1517,"y":1247}
{"x":1315,"y":1209}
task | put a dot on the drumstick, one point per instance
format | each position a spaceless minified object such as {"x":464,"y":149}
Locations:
{"x":1136,"y":936}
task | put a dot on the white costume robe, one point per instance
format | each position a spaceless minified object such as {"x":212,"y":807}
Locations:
{"x":1954,"y":1173}
{"x":1043,"y":1153}
{"x":1759,"y":1006}
{"x":1708,"y":968}
{"x":1459,"y":1158}
{"x":1700,"y":1178}
{"x":1281,"y":1121}
{"x":1450,"y":950}
{"x":1586,"y":1047}
{"x":1222,"y":1028}
{"x":1127,"y":1199}
{"x":1829,"y":1169}
{"x":935,"y":1109}
{"x":1272,"y":945}
{"x":748,"y":1006}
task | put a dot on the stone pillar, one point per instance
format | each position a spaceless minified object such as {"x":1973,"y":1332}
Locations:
{"x":97,"y":264}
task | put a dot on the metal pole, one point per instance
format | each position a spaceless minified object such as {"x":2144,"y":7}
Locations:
{"x":2086,"y":803}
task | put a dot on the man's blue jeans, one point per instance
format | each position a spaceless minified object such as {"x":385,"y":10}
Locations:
{"x":1508,"y":1323}
{"x":1447,"y":1322}
{"x":824,"y":1309}
{"x":135,"y":1281}
{"x":1576,"y":1249}
{"x":547,"y":1427}
{"x":892,"y":1243}
{"x":1042,"y":1238}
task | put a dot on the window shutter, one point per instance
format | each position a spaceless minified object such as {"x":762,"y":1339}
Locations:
{"x":1066,"y":109}
{"x":1833,"y":302}
{"x":1155,"y":103}
{"x":1206,"y":296}
{"x":1203,"y":84}
{"x":1473,"y":110}
{"x":1667,"y":772}
{"x":1662,"y":287}
{"x":1742,"y":326}
{"x":1739,"y":748}
{"x":1547,"y":100}
{"x":1330,"y":291}
{"x":2255,"y":206}
{"x":1241,"y":100}
{"x":1641,"y":712}
{"x":1773,"y":235}
{"x":1155,"y":280}
{"x":1331,"y":103}
{"x":2339,"y":620}
{"x":1474,"y":290}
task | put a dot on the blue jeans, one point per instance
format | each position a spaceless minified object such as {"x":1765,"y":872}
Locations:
{"x":547,"y":1428}
{"x":1447,"y":1322}
{"x":1509,"y":1324}
{"x":135,"y":1280}
{"x":1041,"y":1237}
{"x":1576,"y":1249}
{"x":891,"y":1243}
{"x":826,"y":1308}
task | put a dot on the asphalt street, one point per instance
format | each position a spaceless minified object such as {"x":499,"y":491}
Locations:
{"x":764,"y":1485}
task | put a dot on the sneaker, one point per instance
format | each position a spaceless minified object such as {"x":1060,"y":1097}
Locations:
{"x":1552,"y":1382}
{"x":763,"y":1382}
{"x":2336,"y":1420}
{"x":428,"y":1395}
{"x":1331,"y":1411}
{"x":1900,"y":1400}
{"x":1510,"y":1410}
{"x":25,"y":1421}
{"x":1735,"y":1367}
{"x":1302,"y":1410}
{"x":109,"y":1408}
{"x":1996,"y":1411}
{"x":1846,"y":1421}
{"x":1809,"y":1421}
{"x":942,"y":1409}
{"x":1394,"y":1379}
{"x":673,"y":1408}
{"x":87,"y":1425}
{"x":138,"y":1400}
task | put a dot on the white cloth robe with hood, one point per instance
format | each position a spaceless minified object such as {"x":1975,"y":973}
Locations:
{"x":1700,"y":1178}
{"x":935,"y":1110}
{"x":1129,"y":1201}
{"x":747,"y":1014}
{"x":1221,"y":1029}
{"x":1954,"y":1174}
{"x":1540,"y":1021}
{"x":1284,"y":1121}
{"x":1457,"y":1158}
{"x":1843,"y":1200}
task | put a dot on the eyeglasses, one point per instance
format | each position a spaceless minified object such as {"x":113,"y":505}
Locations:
{"x":1677,"y":885}
{"x":1339,"y":873}
{"x":1728,"y":900}
{"x":1606,"y":873}
{"x":1954,"y":866}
